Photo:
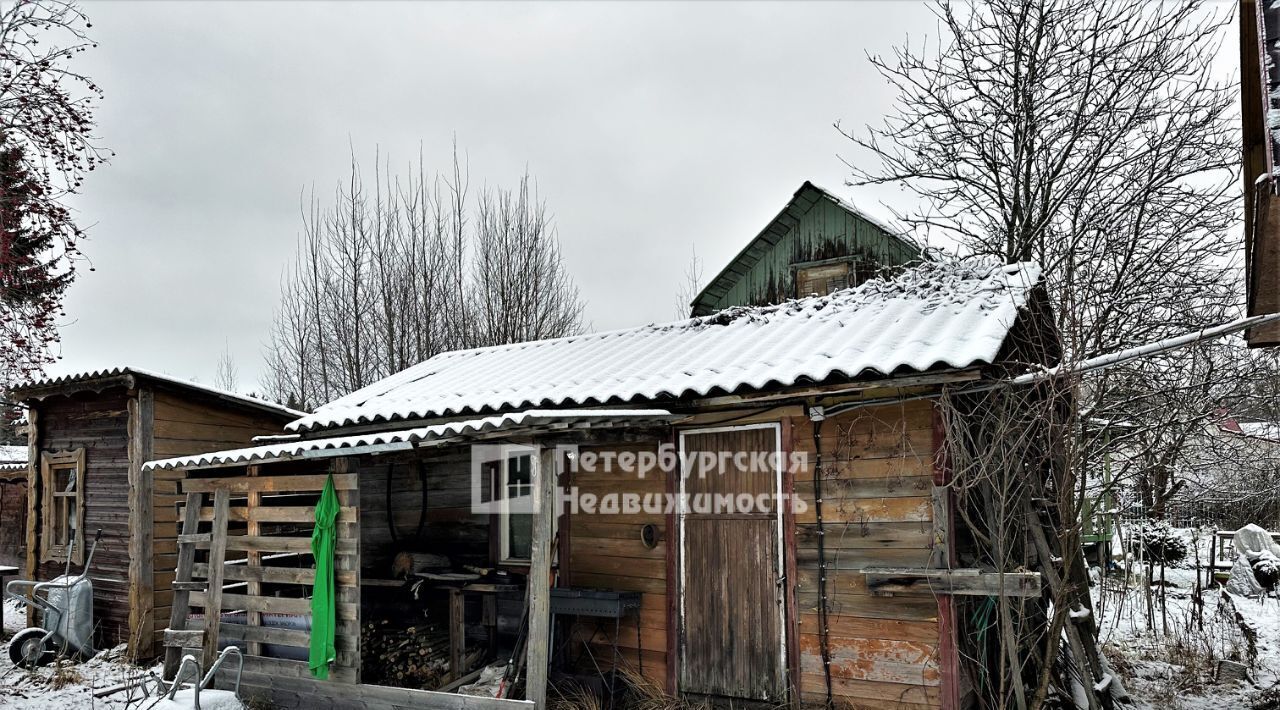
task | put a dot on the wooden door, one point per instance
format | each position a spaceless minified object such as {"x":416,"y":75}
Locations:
{"x":732,"y":640}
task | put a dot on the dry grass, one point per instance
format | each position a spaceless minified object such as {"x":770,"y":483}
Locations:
{"x":1181,"y":664}
{"x":65,"y":673}
{"x":574,"y":697}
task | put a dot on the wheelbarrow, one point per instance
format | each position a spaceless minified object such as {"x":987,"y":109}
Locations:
{"x":66,"y":614}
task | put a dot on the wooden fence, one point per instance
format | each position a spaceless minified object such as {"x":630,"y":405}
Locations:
{"x":245,"y":547}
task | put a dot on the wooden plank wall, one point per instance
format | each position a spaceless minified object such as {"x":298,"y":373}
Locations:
{"x":877,"y":511}
{"x":184,"y":425}
{"x":605,"y":551}
{"x":285,"y":516}
{"x":450,"y":528}
{"x":13,"y":521}
{"x":97,"y":422}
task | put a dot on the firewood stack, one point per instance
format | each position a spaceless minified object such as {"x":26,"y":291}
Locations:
{"x":415,"y":657}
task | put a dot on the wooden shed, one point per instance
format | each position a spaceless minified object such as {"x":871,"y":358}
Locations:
{"x":88,"y":436}
{"x":747,"y":507}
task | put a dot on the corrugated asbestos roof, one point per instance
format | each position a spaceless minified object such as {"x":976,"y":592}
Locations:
{"x":933,"y":316}
{"x":504,"y":424}
{"x":40,"y":388}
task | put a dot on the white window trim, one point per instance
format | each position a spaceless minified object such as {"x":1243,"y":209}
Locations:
{"x":504,"y":514}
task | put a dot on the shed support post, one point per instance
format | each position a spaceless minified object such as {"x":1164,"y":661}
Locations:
{"x":544,"y":476}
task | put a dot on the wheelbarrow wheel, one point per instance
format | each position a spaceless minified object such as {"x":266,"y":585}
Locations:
{"x":28,"y":649}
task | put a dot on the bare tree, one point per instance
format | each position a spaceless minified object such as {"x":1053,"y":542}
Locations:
{"x":690,"y":286}
{"x":520,"y":289}
{"x":1092,"y":137}
{"x":227,"y":375}
{"x":410,"y":267}
{"x":46,"y":136}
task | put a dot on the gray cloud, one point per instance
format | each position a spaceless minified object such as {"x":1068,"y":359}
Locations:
{"x":650,"y":128}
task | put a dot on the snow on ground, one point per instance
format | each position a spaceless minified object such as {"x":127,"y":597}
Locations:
{"x":1167,"y":653}
{"x":15,"y":617}
{"x":70,"y":685}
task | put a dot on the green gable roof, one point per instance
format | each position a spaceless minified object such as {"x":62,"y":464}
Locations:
{"x":815,"y":225}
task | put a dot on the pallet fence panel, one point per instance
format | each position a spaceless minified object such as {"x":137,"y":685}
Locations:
{"x":257,"y":594}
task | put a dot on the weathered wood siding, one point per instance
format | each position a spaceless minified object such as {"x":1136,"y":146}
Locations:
{"x":98,"y":423}
{"x":826,"y":231}
{"x":183,"y":425}
{"x":732,"y":638}
{"x":13,"y":521}
{"x":877,"y":511}
{"x":604,"y":550}
{"x":449,"y":527}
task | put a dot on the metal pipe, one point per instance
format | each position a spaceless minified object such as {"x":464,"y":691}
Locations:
{"x":817,"y":415}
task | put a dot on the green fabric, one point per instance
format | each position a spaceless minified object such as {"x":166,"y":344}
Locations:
{"x":323,"y":613}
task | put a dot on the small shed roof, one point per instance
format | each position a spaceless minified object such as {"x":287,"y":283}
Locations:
{"x":505,"y":425}
{"x":930,"y":317}
{"x":98,"y":380}
{"x":13,"y":462}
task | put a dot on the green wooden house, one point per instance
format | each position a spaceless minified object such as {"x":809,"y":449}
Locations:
{"x":818,"y":243}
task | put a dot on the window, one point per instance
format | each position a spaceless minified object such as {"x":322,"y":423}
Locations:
{"x":62,"y":505}
{"x":821,"y":280}
{"x":515,"y":486}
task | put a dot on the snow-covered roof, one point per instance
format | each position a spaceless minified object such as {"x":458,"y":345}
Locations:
{"x":13,"y":460}
{"x":13,"y":454}
{"x":504,"y":424}
{"x":40,"y":388}
{"x":1269,"y":431}
{"x":934,"y":316}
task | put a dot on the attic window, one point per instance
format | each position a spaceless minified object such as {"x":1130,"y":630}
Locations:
{"x":830,"y":275}
{"x":821,"y":279}
{"x":62,"y":505}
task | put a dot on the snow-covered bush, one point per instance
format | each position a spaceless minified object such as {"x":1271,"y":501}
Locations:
{"x":1266,"y":569}
{"x":1157,"y":542}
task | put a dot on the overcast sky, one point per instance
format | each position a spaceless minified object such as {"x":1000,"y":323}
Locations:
{"x":650,"y":128}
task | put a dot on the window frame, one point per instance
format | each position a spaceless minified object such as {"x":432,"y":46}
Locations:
{"x":50,"y":463}
{"x":504,"y":514}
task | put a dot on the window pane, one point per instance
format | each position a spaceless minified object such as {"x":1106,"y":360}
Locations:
{"x":519,"y":470}
{"x":61,"y":520}
{"x":519,"y":537}
{"x":64,"y":480}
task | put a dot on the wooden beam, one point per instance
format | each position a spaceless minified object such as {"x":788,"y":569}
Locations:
{"x":217,"y":555}
{"x":270,"y":605}
{"x":181,"y":603}
{"x":33,"y":494}
{"x":943,"y":555}
{"x":971,"y":582}
{"x":544,"y":467}
{"x":267,"y":543}
{"x":253,"y":560}
{"x":174,"y":638}
{"x":457,"y":633}
{"x":271,"y":484}
{"x":141,"y":409}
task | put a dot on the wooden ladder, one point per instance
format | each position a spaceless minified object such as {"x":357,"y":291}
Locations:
{"x":178,"y":639}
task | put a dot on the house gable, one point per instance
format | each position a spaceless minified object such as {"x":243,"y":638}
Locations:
{"x":815,"y":232}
